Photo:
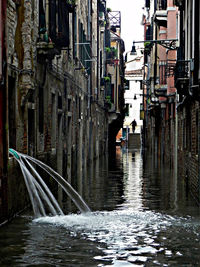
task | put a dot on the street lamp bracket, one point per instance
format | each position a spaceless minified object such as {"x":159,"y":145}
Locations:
{"x":167,"y":43}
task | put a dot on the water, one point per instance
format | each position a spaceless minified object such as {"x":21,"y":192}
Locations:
{"x":141,"y":216}
{"x":43,"y":201}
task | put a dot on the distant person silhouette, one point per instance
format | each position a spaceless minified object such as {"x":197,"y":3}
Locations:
{"x":134,"y":124}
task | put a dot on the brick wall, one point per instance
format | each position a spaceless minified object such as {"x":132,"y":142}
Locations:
{"x":188,"y":159}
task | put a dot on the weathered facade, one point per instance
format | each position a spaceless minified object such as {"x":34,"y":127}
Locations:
{"x":172,"y":87}
{"x":187,"y":80}
{"x":160,"y":90}
{"x":57,"y":109}
{"x":115,"y":86}
{"x":133,"y":92}
{"x":3,"y":114}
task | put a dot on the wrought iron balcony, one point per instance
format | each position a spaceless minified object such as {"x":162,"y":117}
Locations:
{"x":170,"y":67}
{"x":160,"y":90}
{"x":166,"y":69}
{"x":46,"y":50}
{"x":162,"y":72}
{"x":182,"y":76}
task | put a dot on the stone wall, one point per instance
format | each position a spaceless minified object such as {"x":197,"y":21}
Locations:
{"x":53,"y":114}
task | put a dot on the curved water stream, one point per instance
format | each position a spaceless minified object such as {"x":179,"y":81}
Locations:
{"x":141,"y":217}
{"x":39,"y":191}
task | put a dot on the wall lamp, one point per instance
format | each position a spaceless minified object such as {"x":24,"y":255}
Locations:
{"x":133,"y":50}
{"x":167,"y":43}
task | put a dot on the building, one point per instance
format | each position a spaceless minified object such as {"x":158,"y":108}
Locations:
{"x":115,"y":75}
{"x":172,"y":87}
{"x":57,"y":108}
{"x":133,"y":91}
{"x":187,"y":80}
{"x":159,"y":86}
{"x":3,"y":115}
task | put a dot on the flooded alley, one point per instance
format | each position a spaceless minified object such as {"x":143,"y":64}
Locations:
{"x":141,"y":216}
{"x":99,"y":133}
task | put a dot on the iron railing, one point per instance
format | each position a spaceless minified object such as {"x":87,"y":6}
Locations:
{"x":170,"y":67}
{"x":166,"y":69}
{"x":182,"y":69}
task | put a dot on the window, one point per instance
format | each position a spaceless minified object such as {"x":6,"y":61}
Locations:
{"x":112,"y":92}
{"x":188,"y":130}
{"x":53,"y":122}
{"x":59,"y":23}
{"x":69,"y":105}
{"x":163,"y":4}
{"x":74,"y":28}
{"x":59,"y":102}
{"x":162,"y":76}
{"x":197,"y":132}
{"x":11,"y":112}
{"x":42,"y":21}
{"x":84,"y":49}
{"x":127,"y":110}
{"x":41,"y":110}
{"x":31,"y":131}
{"x":101,"y":64}
{"x":127,"y":84}
{"x":79,"y":107}
{"x":147,"y":3}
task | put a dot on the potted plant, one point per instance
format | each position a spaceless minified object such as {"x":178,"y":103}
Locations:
{"x":107,"y":79}
{"x":114,"y":52}
{"x":111,"y":52}
{"x":104,"y":80}
{"x":107,"y":49}
{"x":147,"y":46}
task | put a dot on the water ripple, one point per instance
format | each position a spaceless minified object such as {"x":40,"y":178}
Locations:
{"x":128,"y":235}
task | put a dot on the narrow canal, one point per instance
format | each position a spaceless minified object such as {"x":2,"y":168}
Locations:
{"x":141,"y":216}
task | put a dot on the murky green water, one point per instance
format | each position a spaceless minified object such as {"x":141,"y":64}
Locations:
{"x":140,"y":216}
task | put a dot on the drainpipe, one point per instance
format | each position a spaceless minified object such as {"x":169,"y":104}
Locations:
{"x":1,"y":43}
{"x":47,"y":16}
{"x":198,"y":158}
{"x":176,"y":156}
{"x":97,"y":78}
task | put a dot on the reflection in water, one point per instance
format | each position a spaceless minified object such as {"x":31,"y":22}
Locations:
{"x":139,"y":218}
{"x":132,"y":179}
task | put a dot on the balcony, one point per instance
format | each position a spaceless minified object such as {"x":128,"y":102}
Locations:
{"x":182,"y":76}
{"x":54,"y":32}
{"x":46,"y":50}
{"x":147,"y":3}
{"x":170,"y":67}
{"x":111,"y":55}
{"x":162,"y":72}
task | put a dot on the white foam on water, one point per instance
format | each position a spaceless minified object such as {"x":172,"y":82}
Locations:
{"x":116,"y":228}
